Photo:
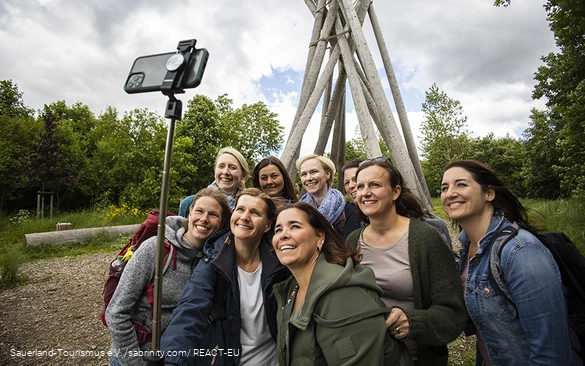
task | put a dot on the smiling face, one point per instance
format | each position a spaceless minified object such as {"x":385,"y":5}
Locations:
{"x":204,"y":220}
{"x":349,"y":182}
{"x":314,"y":177}
{"x":464,"y":199}
{"x":271,"y":180}
{"x":374,"y":195}
{"x":228,"y":173}
{"x":295,"y":241}
{"x":249,"y":219}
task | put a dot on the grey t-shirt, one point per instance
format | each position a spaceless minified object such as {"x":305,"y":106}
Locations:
{"x":391,"y":266}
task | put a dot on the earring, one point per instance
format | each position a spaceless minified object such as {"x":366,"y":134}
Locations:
{"x":319,"y":246}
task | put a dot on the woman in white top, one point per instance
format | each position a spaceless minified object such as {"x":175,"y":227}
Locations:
{"x":240,"y":268}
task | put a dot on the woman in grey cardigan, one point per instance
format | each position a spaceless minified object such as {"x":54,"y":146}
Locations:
{"x":130,"y":309}
{"x":412,"y":264}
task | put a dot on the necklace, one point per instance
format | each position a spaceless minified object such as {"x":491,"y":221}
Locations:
{"x":291,"y":296}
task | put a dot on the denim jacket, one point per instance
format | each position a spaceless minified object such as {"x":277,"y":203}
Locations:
{"x":539,"y":335}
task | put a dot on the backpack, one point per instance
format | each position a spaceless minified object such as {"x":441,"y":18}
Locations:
{"x":571,"y":265}
{"x":146,"y":230}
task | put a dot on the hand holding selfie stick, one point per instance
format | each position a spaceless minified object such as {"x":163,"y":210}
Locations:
{"x":184,"y":69}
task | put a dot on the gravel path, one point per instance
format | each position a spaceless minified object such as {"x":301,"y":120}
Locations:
{"x":55,"y":318}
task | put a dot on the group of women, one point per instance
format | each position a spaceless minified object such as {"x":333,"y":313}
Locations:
{"x":268,"y":278}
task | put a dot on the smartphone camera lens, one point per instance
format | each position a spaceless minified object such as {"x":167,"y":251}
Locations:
{"x":134,"y":81}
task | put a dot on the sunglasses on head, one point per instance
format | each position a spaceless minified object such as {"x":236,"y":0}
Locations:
{"x":379,"y":159}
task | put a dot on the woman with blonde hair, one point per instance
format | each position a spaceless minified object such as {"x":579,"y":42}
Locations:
{"x":317,"y":174}
{"x":231,"y":171}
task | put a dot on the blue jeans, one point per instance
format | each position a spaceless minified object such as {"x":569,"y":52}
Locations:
{"x":114,"y":361}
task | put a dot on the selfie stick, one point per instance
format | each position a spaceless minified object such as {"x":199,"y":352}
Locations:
{"x":171,"y":86}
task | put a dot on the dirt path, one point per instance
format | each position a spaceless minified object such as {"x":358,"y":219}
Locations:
{"x":54,"y":319}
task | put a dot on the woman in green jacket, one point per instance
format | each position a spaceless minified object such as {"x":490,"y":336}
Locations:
{"x":329,"y":312}
{"x":412,"y":264}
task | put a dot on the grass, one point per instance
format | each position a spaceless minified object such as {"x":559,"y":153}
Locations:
{"x":559,"y":215}
{"x":14,"y":227}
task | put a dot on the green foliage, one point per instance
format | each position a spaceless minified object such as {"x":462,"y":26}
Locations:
{"x":355,"y":149}
{"x":444,"y":136}
{"x":562,"y":82}
{"x":503,"y":3}
{"x":10,"y":274}
{"x":19,"y":134}
{"x":560,"y":215}
{"x":542,"y":156}
{"x":208,"y":126}
{"x":504,"y":155}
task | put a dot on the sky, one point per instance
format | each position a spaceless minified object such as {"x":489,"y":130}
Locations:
{"x":82,"y":51}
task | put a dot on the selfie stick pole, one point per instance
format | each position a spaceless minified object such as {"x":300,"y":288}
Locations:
{"x":171,"y":85}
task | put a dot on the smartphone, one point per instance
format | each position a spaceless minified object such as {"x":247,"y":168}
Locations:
{"x":148,"y":72}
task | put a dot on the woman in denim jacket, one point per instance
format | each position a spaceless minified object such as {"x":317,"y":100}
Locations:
{"x":481,"y":204}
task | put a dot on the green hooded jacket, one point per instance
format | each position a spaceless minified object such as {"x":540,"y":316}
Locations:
{"x":341,"y":322}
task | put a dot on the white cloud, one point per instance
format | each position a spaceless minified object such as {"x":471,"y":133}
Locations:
{"x":78,"y":51}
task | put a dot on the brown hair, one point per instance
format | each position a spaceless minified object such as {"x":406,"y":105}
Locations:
{"x":334,"y":247}
{"x":407,"y":204}
{"x":505,"y":201}
{"x":270,"y":206}
{"x":220,"y":198}
{"x":288,"y":192}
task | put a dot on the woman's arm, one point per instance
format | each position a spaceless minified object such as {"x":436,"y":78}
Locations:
{"x":534,"y":282}
{"x":132,"y":286}
{"x":189,"y":324}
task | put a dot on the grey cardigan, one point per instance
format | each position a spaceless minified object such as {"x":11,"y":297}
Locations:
{"x":130,"y":301}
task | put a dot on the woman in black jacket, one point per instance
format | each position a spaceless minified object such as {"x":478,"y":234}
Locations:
{"x":239,"y":267}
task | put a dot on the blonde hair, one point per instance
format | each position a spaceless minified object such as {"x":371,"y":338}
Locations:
{"x":241,"y":160}
{"x":326,"y":163}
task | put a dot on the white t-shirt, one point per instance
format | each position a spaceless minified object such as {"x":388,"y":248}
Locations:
{"x":258,"y":347}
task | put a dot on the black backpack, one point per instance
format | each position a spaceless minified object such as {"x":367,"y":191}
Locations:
{"x":571,"y":264}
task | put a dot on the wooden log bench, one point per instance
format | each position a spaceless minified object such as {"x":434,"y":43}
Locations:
{"x":75,"y":235}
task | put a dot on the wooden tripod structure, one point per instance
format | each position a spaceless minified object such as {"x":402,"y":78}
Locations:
{"x":338,"y":23}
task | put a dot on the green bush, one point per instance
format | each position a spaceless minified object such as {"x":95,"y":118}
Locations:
{"x":10,"y":275}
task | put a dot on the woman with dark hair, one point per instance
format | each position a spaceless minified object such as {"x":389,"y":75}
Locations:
{"x":317,"y":325}
{"x":412,"y":264}
{"x":533,"y":330}
{"x":347,"y":176}
{"x":240,"y":268}
{"x":130,"y":309}
{"x":271,"y":176}
{"x":317,"y":174}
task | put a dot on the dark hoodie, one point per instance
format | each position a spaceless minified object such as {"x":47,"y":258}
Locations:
{"x":341,"y":322}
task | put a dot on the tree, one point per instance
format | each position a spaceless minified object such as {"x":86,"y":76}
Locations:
{"x":128,"y":160}
{"x":11,"y":102}
{"x":355,"y":150}
{"x":19,"y":133}
{"x":208,"y":125}
{"x":542,"y":158}
{"x":444,"y":136}
{"x":562,"y":81}
{"x":505,"y":155}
